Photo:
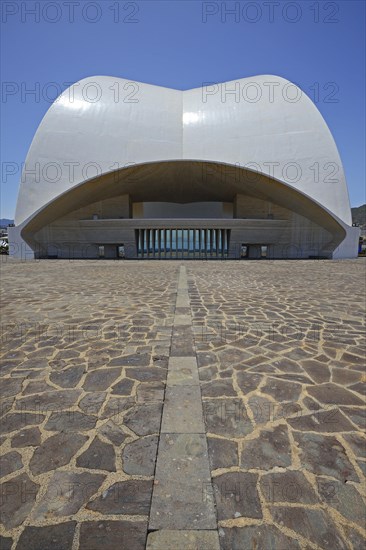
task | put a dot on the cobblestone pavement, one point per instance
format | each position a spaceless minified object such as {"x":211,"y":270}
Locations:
{"x":87,"y":347}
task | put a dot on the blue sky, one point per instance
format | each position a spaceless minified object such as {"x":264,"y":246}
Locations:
{"x":181,"y":44}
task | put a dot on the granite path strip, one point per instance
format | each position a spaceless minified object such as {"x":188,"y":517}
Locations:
{"x":183,"y":511}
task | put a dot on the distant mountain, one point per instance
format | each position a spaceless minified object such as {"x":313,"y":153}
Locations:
{"x":359,"y":215}
{"x":4,"y":222}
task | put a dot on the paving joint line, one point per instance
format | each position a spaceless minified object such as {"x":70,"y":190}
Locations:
{"x":182,"y":510}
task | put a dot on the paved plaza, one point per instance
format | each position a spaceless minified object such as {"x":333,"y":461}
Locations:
{"x":183,"y":405}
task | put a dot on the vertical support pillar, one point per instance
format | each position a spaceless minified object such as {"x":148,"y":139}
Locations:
{"x":142,"y":240}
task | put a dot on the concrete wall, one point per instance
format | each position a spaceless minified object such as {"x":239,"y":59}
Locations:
{"x":69,"y":236}
{"x":257,"y":222}
{"x":190,"y":210}
{"x":349,"y":247}
{"x":299,"y":237}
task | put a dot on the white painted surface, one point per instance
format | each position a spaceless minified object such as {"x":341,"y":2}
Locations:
{"x":134,"y":123}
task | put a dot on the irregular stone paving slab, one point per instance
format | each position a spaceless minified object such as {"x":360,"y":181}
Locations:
{"x":9,"y":463}
{"x":301,"y":378}
{"x":144,"y":419}
{"x":248,"y":382}
{"x":56,"y":451}
{"x":58,"y":536}
{"x":360,"y":388}
{"x":150,"y":392}
{"x":147,"y":374}
{"x":116,"y":407}
{"x":100,"y":380}
{"x":6,"y":543}
{"x":10,"y":387}
{"x":114,"y":433}
{"x":226,"y":417}
{"x":113,"y":535}
{"x":354,"y":537}
{"x":92,"y":402}
{"x":70,"y":421}
{"x":6,"y":405}
{"x":346,"y":376}
{"x":287,"y":365}
{"x":123,"y":387}
{"x":344,"y":497}
{"x":258,"y":537}
{"x":205,"y":359}
{"x":318,"y":371}
{"x":36,"y":386}
{"x":182,"y":410}
{"x":69,"y":378}
{"x":325,"y":455}
{"x":223,"y":453}
{"x":333,"y":394}
{"x":27,"y":438}
{"x":357,"y":443}
{"x":206,"y":373}
{"x":231,"y":356}
{"x":282,"y":390}
{"x":98,"y":456}
{"x":124,"y":497}
{"x":18,"y":498}
{"x":183,"y":540}
{"x":182,"y":497}
{"x":66,"y":493}
{"x":138,"y":359}
{"x":290,"y":486}
{"x":269,"y":449}
{"x":49,"y":401}
{"x":353,"y":359}
{"x":314,"y":525}
{"x":331,"y":420}
{"x":138,"y":457}
{"x":16,"y":421}
{"x":236,"y":496}
{"x":218,"y":388}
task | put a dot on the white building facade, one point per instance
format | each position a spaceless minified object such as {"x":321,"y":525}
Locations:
{"x":242,"y":169}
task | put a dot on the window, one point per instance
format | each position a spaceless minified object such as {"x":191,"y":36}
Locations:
{"x":244,"y":251}
{"x":121,"y":251}
{"x":264,"y":251}
{"x":101,"y":251}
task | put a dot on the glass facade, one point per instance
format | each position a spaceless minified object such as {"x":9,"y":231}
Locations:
{"x":182,"y":243}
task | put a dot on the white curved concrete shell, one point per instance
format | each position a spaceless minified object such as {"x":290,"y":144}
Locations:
{"x":108,"y":148}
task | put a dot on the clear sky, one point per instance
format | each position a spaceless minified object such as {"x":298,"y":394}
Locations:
{"x":319,"y":45}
